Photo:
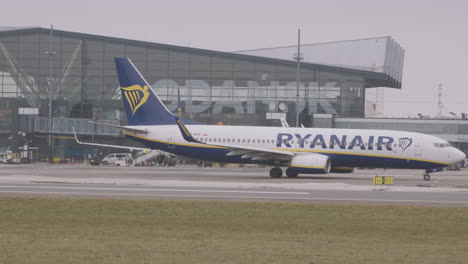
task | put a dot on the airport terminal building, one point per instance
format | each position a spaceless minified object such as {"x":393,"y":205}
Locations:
{"x":75,"y":73}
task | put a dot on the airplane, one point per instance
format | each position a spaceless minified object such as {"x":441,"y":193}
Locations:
{"x":301,"y":150}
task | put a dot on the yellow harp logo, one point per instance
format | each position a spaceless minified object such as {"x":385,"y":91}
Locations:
{"x":136,"y":96}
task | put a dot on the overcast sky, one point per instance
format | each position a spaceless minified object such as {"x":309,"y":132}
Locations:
{"x":434,"y":33}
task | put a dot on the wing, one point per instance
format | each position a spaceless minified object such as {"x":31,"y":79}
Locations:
{"x":257,"y":153}
{"x":247,"y":152}
{"x":107,"y":145}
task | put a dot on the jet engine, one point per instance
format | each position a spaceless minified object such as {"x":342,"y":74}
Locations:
{"x":342,"y":169}
{"x":311,"y":164}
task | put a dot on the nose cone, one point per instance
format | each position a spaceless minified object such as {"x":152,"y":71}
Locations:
{"x":458,"y":156}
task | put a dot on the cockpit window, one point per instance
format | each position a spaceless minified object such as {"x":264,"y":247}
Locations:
{"x":442,"y":145}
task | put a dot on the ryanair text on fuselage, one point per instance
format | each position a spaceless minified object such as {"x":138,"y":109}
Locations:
{"x":341,"y":142}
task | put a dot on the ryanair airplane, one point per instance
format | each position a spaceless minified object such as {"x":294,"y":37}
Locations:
{"x":301,"y":150}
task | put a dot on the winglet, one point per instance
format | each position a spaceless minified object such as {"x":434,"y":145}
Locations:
{"x":185,"y":132}
{"x":76,"y":138}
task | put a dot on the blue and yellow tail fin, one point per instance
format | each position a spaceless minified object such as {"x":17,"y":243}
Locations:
{"x":142,"y":105}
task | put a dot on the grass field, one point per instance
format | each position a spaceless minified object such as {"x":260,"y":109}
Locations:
{"x":35,"y":230}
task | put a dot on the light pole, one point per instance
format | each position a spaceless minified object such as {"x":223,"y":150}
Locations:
{"x":298,"y":57}
{"x":50,"y":84}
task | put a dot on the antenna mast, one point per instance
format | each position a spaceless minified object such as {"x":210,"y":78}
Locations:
{"x":440,"y":105}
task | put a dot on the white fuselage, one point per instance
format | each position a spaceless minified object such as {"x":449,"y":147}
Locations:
{"x":354,"y":144}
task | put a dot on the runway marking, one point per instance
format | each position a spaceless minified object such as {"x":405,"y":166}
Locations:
{"x":159,"y":190}
{"x":244,"y":197}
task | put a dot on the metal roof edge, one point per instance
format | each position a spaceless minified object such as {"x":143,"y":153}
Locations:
{"x":366,"y":74}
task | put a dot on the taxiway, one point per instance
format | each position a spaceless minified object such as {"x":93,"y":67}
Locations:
{"x":448,"y":188}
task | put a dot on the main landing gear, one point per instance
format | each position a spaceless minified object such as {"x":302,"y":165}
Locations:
{"x":427,"y":177}
{"x":291,"y":173}
{"x":276,"y":172}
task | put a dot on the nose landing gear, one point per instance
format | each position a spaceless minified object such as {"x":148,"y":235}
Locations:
{"x":427,"y":177}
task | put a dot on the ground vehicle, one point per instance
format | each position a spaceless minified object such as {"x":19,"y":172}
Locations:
{"x":114,"y":158}
{"x":466,"y":163}
{"x":9,"y":157}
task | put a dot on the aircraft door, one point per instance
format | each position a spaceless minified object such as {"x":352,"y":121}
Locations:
{"x":418,"y":147}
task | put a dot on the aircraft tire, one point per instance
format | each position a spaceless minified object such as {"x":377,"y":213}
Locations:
{"x":427,"y":177}
{"x":291,"y":173}
{"x":276,"y":172}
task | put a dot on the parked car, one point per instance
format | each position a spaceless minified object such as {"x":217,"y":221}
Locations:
{"x":117,"y":158}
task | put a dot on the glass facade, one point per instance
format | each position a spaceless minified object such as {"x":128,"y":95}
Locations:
{"x":382,"y":54}
{"x":209,"y":86}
